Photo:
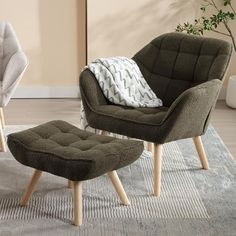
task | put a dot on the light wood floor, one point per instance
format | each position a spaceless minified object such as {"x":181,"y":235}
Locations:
{"x":36,"y":111}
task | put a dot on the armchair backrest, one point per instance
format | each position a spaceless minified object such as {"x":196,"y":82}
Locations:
{"x":9,"y":45}
{"x":175,"y":62}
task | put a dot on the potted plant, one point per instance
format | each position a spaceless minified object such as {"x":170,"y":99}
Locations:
{"x":222,"y":16}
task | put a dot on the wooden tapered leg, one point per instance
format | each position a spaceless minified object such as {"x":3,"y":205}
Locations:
{"x":149,"y":146}
{"x":30,"y":189}
{"x":2,"y":139}
{"x":78,"y":206}
{"x":201,"y":152}
{"x":70,"y":184}
{"x":2,"y":118}
{"x":118,"y":187}
{"x":157,"y":168}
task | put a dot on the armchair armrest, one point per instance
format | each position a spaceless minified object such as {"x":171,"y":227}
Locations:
{"x":90,"y":90}
{"x":189,"y":114}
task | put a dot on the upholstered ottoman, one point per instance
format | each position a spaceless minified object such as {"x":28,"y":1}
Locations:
{"x":62,"y":149}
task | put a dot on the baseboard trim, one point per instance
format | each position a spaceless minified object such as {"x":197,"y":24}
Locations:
{"x":64,"y":92}
{"x":47,"y":92}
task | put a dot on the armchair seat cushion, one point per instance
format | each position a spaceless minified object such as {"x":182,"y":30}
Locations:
{"x":141,"y":115}
{"x":140,"y":123}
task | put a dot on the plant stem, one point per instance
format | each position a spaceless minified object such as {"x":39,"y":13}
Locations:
{"x":226,"y":26}
{"x":232,"y":8}
{"x":214,"y":4}
{"x":231,"y":35}
{"x":219,"y":32}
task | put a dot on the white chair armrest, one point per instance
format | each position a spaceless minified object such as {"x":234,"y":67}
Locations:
{"x":14,"y":69}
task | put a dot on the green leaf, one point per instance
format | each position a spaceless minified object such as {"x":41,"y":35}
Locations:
{"x":203,"y":8}
{"x":209,"y":22}
{"x":227,"y":2}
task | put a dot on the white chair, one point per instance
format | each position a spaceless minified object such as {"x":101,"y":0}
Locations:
{"x":13,"y":63}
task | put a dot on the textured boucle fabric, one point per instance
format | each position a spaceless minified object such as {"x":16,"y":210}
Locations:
{"x":185,"y":71}
{"x":13,"y":62}
{"x":174,"y":62}
{"x":64,"y":150}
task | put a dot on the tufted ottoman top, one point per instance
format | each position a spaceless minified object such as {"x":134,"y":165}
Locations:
{"x":62,"y":149}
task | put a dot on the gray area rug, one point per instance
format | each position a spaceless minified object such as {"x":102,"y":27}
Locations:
{"x":192,"y":202}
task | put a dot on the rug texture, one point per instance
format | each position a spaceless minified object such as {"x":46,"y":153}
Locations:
{"x":192,"y":200}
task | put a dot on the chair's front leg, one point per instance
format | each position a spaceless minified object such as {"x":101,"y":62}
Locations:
{"x":30,"y":189}
{"x":157,"y":168}
{"x":201,"y":152}
{"x":118,"y":187}
{"x":78,"y":203}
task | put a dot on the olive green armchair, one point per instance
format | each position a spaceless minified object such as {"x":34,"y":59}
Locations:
{"x":186,"y":72}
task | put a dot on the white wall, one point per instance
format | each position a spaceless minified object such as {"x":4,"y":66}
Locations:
{"x":48,"y":32}
{"x":123,"y":27}
{"x":51,"y":34}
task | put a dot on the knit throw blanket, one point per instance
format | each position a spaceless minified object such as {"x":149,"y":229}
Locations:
{"x":122,"y":83}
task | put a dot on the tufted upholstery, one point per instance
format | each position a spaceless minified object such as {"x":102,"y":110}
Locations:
{"x":64,"y":150}
{"x":13,"y":62}
{"x":143,"y":115}
{"x":175,"y":62}
{"x":186,"y":72}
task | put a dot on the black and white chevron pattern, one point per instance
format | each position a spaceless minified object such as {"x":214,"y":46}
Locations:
{"x":122,"y":83}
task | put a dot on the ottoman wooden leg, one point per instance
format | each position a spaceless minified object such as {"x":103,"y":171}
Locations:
{"x":118,"y":187}
{"x":30,"y":189}
{"x":78,"y":207}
